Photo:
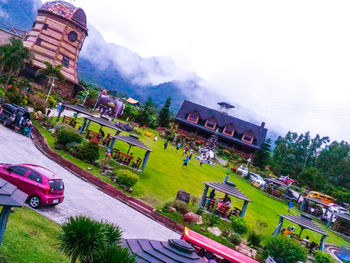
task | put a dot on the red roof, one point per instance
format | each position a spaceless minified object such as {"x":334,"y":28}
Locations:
{"x":215,"y":247}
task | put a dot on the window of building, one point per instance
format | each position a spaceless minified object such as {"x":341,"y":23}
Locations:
{"x":193,"y":117}
{"x":38,"y":42}
{"x":65,"y":61}
{"x":34,"y":176}
{"x":211,"y":124}
{"x":248,"y":138}
{"x":229,"y":130}
{"x":46,"y":26}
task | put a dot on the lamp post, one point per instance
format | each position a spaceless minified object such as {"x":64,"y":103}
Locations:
{"x":52,"y":81}
{"x":87,"y":94}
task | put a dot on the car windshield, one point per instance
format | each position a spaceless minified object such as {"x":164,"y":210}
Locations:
{"x":56,"y":184}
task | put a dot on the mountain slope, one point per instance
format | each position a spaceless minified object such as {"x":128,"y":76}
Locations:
{"x":109,"y":65}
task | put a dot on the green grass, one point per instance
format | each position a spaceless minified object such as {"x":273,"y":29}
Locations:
{"x":30,"y":238}
{"x":164,"y":176}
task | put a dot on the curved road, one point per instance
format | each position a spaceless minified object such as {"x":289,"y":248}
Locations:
{"x":81,"y":198}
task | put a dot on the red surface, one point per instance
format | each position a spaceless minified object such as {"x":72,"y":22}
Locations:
{"x":215,"y":247}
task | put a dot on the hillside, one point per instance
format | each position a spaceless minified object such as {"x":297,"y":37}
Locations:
{"x":112,"y":66}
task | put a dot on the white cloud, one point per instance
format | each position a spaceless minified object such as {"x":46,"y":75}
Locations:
{"x":3,"y":13}
{"x":289,"y":61}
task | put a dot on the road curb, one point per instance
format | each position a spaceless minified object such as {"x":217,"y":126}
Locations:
{"x":143,"y":208}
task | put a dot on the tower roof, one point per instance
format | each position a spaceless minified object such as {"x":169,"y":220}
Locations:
{"x":66,"y":11}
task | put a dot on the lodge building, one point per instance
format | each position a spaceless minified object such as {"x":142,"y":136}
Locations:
{"x":232,"y":132}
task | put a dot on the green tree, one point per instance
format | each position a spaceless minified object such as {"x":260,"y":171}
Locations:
{"x":114,"y":254}
{"x":13,"y":58}
{"x":263,"y":155}
{"x":81,"y":238}
{"x":50,"y":71}
{"x":86,"y":239}
{"x":164,"y":114}
{"x":146,"y":114}
{"x":284,"y":249}
{"x":323,"y":257}
{"x":312,"y":178}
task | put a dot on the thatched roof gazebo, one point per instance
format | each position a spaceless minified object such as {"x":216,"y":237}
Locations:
{"x":10,"y":196}
{"x":304,"y":222}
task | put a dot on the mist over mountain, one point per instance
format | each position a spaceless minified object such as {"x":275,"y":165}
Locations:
{"x":112,"y":66}
{"x":117,"y":68}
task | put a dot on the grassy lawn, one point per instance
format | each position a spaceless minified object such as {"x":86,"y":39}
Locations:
{"x":164,"y":176}
{"x":30,"y":238}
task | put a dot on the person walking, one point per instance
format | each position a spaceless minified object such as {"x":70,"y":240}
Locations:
{"x":186,"y":161}
{"x":173,"y":145}
{"x":185,"y":151}
{"x":201,"y":162}
{"x":165,"y":145}
{"x":178,"y":146}
{"x":155,"y":138}
{"x":191,"y":153}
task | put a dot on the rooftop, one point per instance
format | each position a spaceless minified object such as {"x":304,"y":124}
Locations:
{"x":66,"y":11}
{"x":161,"y":251}
{"x":10,"y":195}
{"x":132,"y":140}
{"x":305,"y":222}
{"x":229,"y":189}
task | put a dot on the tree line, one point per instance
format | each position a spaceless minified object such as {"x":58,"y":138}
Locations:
{"x":315,"y":163}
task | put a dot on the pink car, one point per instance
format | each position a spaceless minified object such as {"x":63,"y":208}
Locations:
{"x":42,"y":186}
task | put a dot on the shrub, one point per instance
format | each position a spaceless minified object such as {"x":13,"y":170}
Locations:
{"x":194,"y":201}
{"x":211,"y":219}
{"x":323,"y":257}
{"x":87,"y":151}
{"x":254,"y":239}
{"x":66,"y":135}
{"x":284,"y":249}
{"x":239,"y":225}
{"x":38,"y":103}
{"x":235,"y":239}
{"x":127,"y":178}
{"x":180,"y":206}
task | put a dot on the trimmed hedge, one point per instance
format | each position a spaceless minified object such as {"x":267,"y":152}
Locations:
{"x":127,"y":178}
{"x":66,"y":136}
{"x":87,"y":151}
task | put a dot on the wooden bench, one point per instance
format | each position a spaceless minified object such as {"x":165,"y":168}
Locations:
{"x":70,"y":121}
{"x":136,"y":164}
{"x":222,"y":210}
{"x":124,"y":158}
{"x":115,"y":154}
{"x":107,"y":140}
{"x":91,"y":134}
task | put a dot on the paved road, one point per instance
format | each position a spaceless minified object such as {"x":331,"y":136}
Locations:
{"x":81,"y":198}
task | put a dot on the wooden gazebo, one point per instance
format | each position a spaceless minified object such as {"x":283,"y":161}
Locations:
{"x":132,"y":141}
{"x":304,"y":222}
{"x":101,"y":121}
{"x":76,"y":108}
{"x":227,"y":188}
{"x":10,"y":196}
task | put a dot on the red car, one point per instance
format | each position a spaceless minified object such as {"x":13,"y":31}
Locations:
{"x":42,"y":186}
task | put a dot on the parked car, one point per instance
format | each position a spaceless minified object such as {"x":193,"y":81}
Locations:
{"x":242,"y":170}
{"x":12,"y":113}
{"x":42,"y":185}
{"x":257,"y":179}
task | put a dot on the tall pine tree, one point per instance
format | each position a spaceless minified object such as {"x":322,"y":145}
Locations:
{"x":164,"y":114}
{"x":263,"y":155}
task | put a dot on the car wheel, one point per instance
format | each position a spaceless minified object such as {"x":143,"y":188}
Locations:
{"x":34,"y":201}
{"x":5,"y":122}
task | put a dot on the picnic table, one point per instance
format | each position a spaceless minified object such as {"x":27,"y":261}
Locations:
{"x":70,"y":121}
{"x":124,"y":158}
{"x":91,"y":134}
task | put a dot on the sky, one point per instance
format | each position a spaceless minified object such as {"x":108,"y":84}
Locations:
{"x":287,"y":61}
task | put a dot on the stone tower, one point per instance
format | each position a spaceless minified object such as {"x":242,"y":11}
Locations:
{"x":57,"y":37}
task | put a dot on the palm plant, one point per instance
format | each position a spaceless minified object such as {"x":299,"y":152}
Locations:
{"x":81,"y":238}
{"x":50,"y":73}
{"x":13,"y":57}
{"x":85,"y":239}
{"x":114,"y":254}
